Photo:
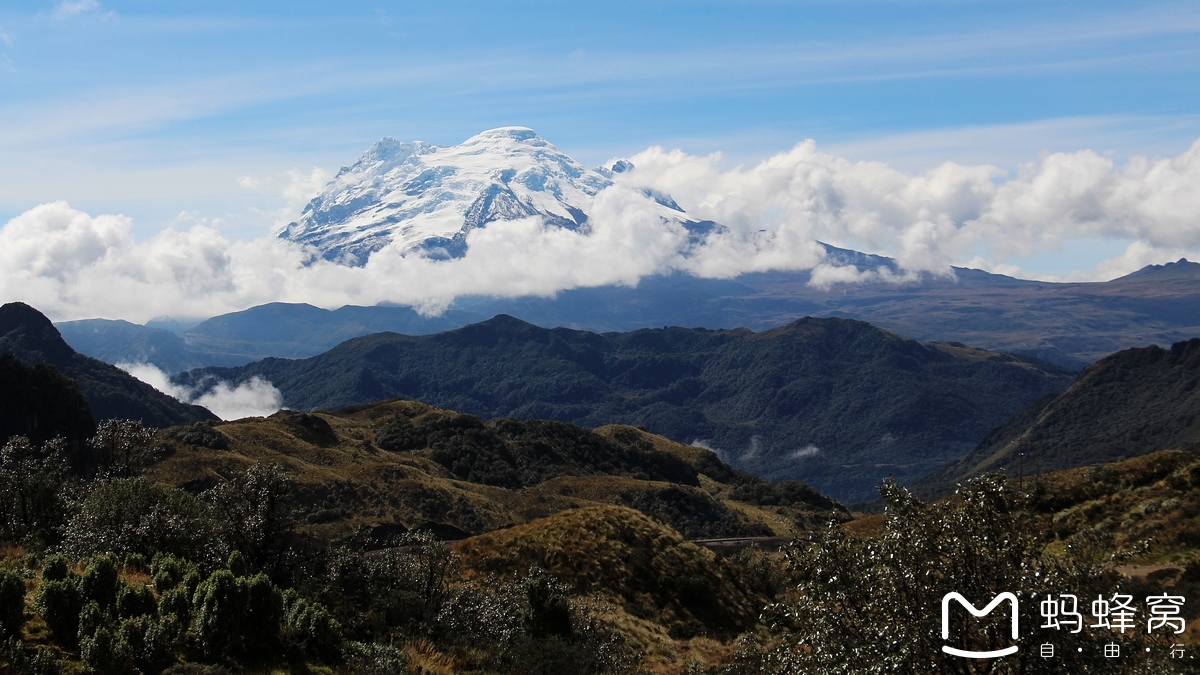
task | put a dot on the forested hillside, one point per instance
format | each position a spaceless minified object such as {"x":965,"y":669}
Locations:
{"x":839,"y":404}
{"x":1132,"y":403}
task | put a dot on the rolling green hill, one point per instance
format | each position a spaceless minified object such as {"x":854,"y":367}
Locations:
{"x":834,"y":402}
{"x":396,"y":465}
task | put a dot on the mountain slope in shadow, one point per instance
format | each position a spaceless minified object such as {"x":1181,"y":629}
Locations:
{"x":1132,"y":403}
{"x":111,"y":393}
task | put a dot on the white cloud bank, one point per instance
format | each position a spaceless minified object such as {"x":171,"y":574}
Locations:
{"x":70,"y":264}
{"x":254,"y":398}
{"x":932,"y":220}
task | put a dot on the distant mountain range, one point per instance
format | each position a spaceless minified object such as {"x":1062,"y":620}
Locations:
{"x":1132,"y":403}
{"x":1072,"y":324}
{"x":422,"y":199}
{"x":111,"y":393}
{"x":836,"y":403}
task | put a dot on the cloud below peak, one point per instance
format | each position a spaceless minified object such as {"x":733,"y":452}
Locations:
{"x":72,"y":264}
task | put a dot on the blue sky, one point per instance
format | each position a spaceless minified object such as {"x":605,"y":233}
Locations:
{"x":157,"y":109}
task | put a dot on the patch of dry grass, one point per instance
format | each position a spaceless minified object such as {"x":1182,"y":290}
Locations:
{"x":645,"y":568}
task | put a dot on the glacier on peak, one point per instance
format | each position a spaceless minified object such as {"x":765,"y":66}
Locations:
{"x":420,"y":197}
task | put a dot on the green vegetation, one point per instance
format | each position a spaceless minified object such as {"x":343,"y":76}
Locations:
{"x":833,"y":402}
{"x":314,"y":542}
{"x":38,"y":402}
{"x":866,"y":605}
{"x":1131,"y":403}
{"x":235,"y":571}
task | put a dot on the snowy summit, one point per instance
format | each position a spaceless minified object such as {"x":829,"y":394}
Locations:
{"x":422,"y":197}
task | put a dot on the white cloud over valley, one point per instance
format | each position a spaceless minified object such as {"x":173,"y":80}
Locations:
{"x":254,"y":398}
{"x":72,"y":264}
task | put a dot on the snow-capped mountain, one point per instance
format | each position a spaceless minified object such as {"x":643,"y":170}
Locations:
{"x":422,"y":196}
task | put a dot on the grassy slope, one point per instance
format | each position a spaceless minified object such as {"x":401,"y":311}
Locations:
{"x":621,"y":552}
{"x":345,"y":481}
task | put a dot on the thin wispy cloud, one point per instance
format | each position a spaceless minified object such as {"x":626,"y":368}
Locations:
{"x":1009,"y":145}
{"x":71,"y":8}
{"x":602,"y":76}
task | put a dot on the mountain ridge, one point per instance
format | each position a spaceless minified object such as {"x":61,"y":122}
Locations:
{"x":1068,"y":324}
{"x":1132,"y":403}
{"x":834,"y":402}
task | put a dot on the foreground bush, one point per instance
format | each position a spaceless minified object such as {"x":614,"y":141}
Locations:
{"x":12,"y":604}
{"x":137,"y":516}
{"x":873,"y":605}
{"x":59,"y":602}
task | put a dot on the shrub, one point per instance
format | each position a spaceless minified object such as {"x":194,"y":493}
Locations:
{"x":312,"y":630}
{"x":12,"y":604}
{"x":490,"y":614}
{"x":219,"y":609}
{"x":55,"y":568}
{"x":374,"y":659}
{"x":135,"y":515}
{"x":131,"y":638}
{"x":136,"y":562}
{"x":135,"y":601}
{"x":103,"y":653}
{"x":149,"y":645}
{"x":549,"y":609}
{"x":867,"y":605}
{"x":163,"y":640}
{"x":18,"y":659}
{"x":91,"y":618}
{"x":236,"y":564}
{"x":59,"y":602}
{"x":191,"y":581}
{"x":264,"y":614}
{"x":168,"y":571}
{"x":176,"y":603}
{"x":99,"y":582}
{"x":200,"y":434}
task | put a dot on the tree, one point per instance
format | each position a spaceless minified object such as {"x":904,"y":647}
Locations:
{"x":122,"y":448}
{"x":253,"y":508}
{"x":33,"y":489}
